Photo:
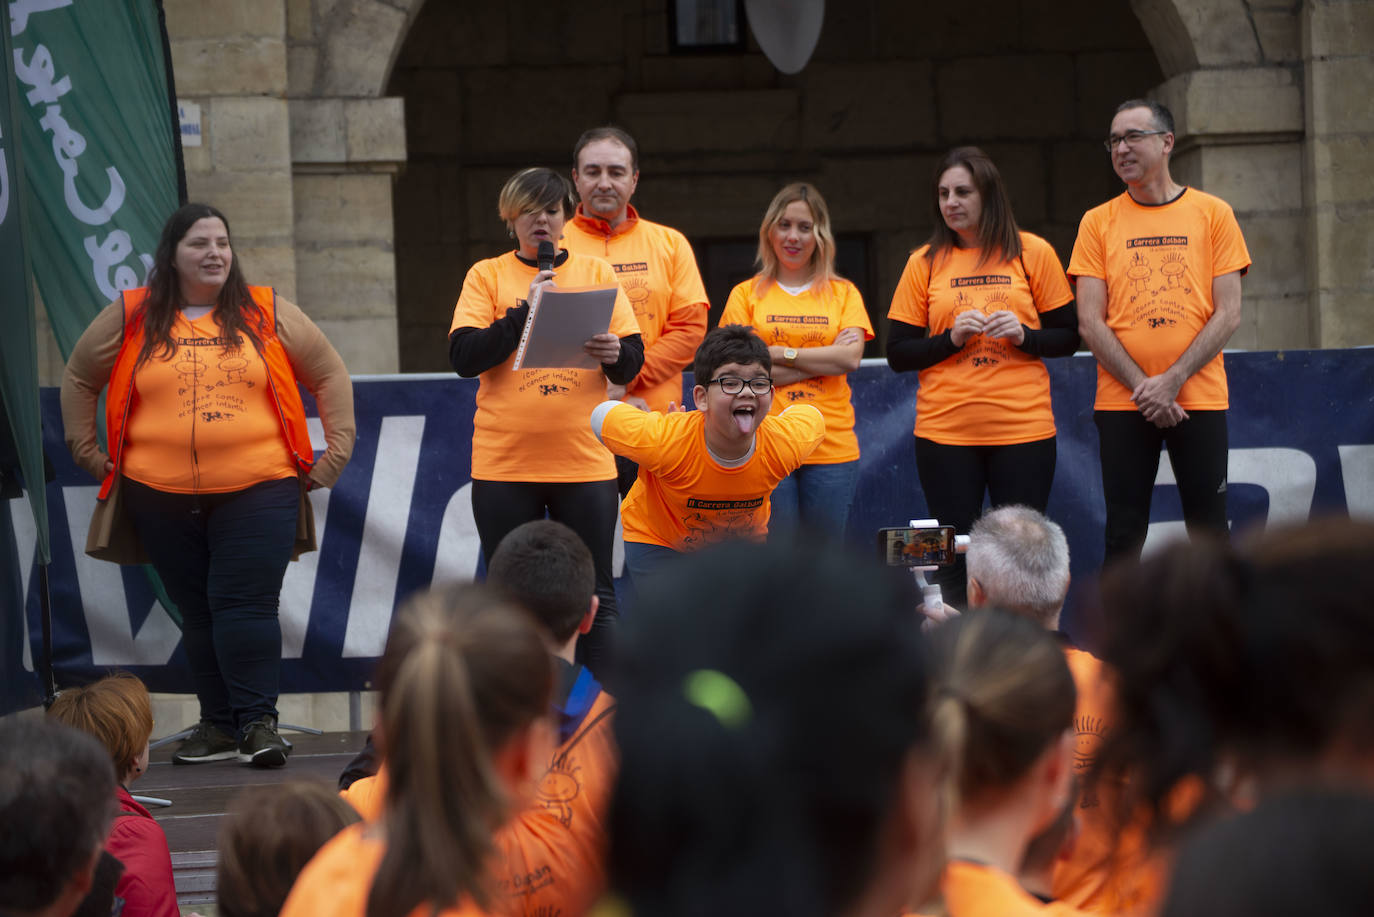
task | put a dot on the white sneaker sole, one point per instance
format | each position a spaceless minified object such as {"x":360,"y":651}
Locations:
{"x":264,"y":757}
{"x":217,"y":756}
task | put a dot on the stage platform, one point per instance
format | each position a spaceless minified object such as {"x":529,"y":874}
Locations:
{"x":201,"y":794}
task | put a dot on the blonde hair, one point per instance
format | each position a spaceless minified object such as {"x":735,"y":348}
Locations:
{"x":822,"y":259}
{"x":1003,"y":693}
{"x":463,"y":671}
{"x":116,"y":710}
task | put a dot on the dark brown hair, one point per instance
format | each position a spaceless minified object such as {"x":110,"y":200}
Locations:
{"x":267,"y":837}
{"x":609,"y":132}
{"x":234,"y":309}
{"x":116,"y":710}
{"x":463,"y":671}
{"x":999,"y":238}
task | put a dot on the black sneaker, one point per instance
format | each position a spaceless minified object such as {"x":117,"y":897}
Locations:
{"x":207,"y":742}
{"x":261,"y":746}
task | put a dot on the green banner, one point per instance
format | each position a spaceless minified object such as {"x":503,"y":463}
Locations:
{"x":99,"y":149}
{"x":18,"y":344}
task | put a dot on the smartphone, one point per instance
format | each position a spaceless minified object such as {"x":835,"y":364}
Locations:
{"x":907,"y":546}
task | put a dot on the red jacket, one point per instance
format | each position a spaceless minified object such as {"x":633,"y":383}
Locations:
{"x":137,"y":841}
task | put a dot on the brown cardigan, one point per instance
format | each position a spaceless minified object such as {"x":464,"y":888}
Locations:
{"x":317,"y":366}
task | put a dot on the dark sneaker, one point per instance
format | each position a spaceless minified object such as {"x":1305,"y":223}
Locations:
{"x":207,"y":742}
{"x":261,"y":746}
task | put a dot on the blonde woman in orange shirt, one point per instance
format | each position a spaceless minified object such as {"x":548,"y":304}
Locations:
{"x":976,"y":309}
{"x":815,"y":324}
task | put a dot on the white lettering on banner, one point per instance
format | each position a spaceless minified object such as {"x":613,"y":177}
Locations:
{"x":1288,"y":476}
{"x":455,"y":560}
{"x":298,"y":586}
{"x":26,"y":541}
{"x":4,"y":188}
{"x":45,"y":88}
{"x":21,"y":10}
{"x":113,"y":641}
{"x":1357,"y":470}
{"x":116,"y":247}
{"x":384,"y":531}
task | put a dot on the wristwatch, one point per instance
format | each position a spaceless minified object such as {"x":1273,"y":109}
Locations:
{"x":789,"y":355}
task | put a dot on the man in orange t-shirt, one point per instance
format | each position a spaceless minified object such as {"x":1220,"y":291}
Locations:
{"x":1158,"y":275}
{"x":705,"y":476}
{"x":653,"y":263}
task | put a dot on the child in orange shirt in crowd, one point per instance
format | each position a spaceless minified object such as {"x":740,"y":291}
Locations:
{"x":706,"y":475}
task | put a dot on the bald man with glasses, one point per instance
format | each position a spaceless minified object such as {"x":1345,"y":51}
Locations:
{"x":1157,"y":271}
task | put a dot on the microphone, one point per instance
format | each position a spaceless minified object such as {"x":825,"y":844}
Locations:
{"x":545,"y":256}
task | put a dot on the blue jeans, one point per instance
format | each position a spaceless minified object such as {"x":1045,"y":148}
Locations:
{"x":222,"y":558}
{"x":814,"y":498}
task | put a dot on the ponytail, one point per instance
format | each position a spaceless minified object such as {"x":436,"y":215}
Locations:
{"x":462,"y":673}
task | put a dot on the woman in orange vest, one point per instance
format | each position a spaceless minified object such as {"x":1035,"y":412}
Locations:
{"x":533,"y":453}
{"x":976,"y":309}
{"x":465,"y":685}
{"x":1004,"y":702}
{"x":815,"y":324}
{"x":207,"y":461}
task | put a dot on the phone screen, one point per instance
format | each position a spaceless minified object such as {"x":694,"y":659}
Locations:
{"x":906,"y":546}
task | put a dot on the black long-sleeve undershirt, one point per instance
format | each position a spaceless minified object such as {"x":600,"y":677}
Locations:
{"x":909,"y":347}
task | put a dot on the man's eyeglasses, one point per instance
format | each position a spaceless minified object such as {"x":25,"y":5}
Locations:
{"x":733,"y":385}
{"x":1131,"y":138}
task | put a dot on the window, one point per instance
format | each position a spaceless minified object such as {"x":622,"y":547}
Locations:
{"x":706,"y":25}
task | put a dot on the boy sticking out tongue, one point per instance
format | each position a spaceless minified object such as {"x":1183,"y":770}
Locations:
{"x":706,"y":475}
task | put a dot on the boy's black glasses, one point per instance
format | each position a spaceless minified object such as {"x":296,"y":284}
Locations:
{"x":733,"y":385}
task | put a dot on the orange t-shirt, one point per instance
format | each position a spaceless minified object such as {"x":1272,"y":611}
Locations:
{"x":684,"y":499}
{"x":1080,"y":878}
{"x":990,"y":393}
{"x":203,"y":403}
{"x":336,"y":882}
{"x":551,"y":859}
{"x":658,"y":272}
{"x":975,"y":890}
{"x":811,"y":319}
{"x":530,"y":424}
{"x":1159,"y":263}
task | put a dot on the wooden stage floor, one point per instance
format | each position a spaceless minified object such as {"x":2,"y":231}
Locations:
{"x":200,"y":794}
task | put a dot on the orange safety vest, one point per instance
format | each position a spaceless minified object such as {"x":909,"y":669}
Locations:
{"x":281,"y":381}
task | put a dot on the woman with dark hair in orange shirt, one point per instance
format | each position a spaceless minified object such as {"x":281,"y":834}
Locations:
{"x":976,"y":309}
{"x":532,"y":451}
{"x":209,"y":459}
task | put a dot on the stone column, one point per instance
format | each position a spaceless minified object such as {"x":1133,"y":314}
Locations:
{"x":346,"y":154}
{"x":1240,"y":137}
{"x":1338,"y":180}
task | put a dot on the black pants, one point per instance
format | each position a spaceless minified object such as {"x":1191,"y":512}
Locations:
{"x":589,"y":509}
{"x":955,"y":478}
{"x":222,"y":558}
{"x":1129,"y":447}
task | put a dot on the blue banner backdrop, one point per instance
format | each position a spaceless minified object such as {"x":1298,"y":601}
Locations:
{"x":1302,"y":442}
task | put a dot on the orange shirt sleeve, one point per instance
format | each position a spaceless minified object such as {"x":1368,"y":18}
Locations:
{"x":911,"y":300}
{"x":1049,"y":286}
{"x":685,"y":325}
{"x":477,"y":306}
{"x":1089,"y":258}
{"x":1228,"y":243}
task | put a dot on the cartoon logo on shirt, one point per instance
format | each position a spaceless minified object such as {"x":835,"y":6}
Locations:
{"x":1090,"y":731}
{"x":637,"y":292}
{"x":557,"y":789}
{"x":718,"y":520}
{"x":551,"y":382}
{"x":1139,"y":273}
{"x":1155,"y":303}
{"x":190,"y":368}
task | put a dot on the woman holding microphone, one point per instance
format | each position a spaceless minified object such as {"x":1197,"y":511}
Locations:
{"x":533,"y":451}
{"x":976,"y":309}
